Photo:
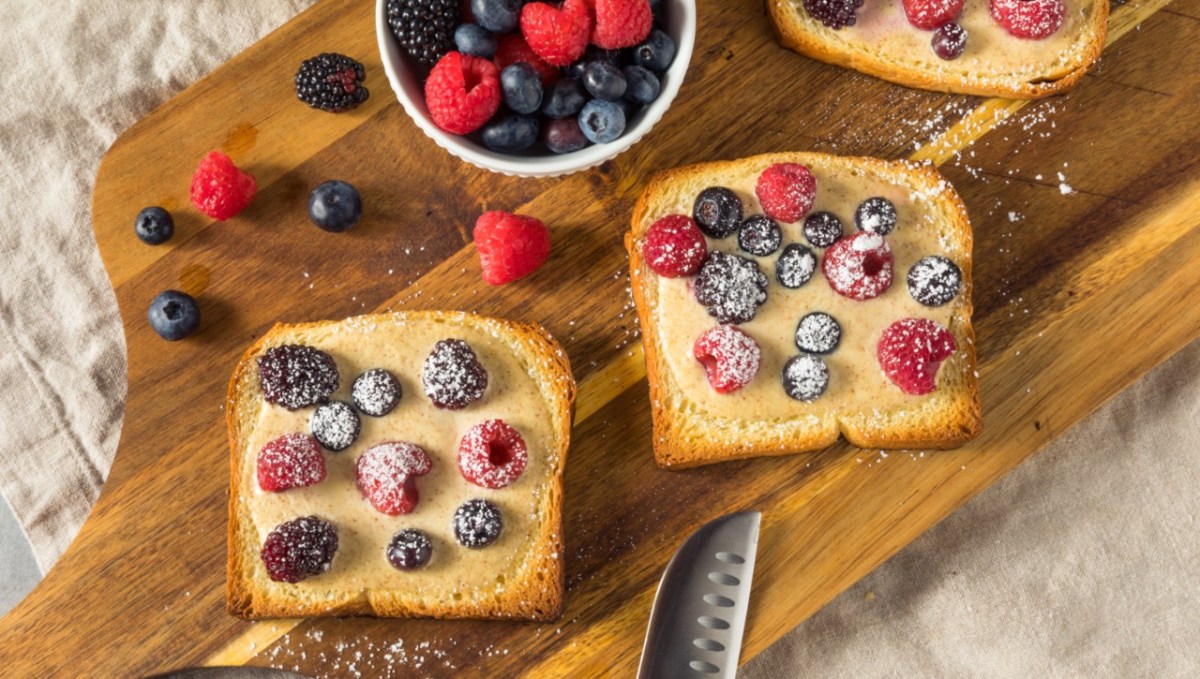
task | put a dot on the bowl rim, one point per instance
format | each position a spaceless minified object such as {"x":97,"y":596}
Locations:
{"x":683,"y":15}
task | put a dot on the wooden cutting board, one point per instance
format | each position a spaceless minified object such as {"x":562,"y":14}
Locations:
{"x":1087,"y":227}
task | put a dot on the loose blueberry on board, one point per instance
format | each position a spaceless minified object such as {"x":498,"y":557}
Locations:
{"x":818,"y":333}
{"x":173,"y":315}
{"x":822,"y":229}
{"x":477,"y":523}
{"x":452,"y":375}
{"x":498,"y":16}
{"x":835,"y":14}
{"x":877,"y":215}
{"x":656,"y":52}
{"x":409,"y":550}
{"x":604,"y":81}
{"x":602,"y":121}
{"x":492,"y":454}
{"x":730,"y":287}
{"x":298,"y":549}
{"x":335,"y":206}
{"x":154,"y":226}
{"x":934,"y":280}
{"x":331,"y":82}
{"x":296,"y":376}
{"x":717,"y":211}
{"x":805,"y":377}
{"x":509,"y":133}
{"x":386,"y":476}
{"x":564,"y":99}
{"x":949,"y":41}
{"x":795,"y":266}
{"x":376,"y":392}
{"x":730,"y":357}
{"x":475,"y":40}
{"x":641,"y":86}
{"x":563,"y":136}
{"x":335,"y":425}
{"x":760,"y":236}
{"x":521,"y":87}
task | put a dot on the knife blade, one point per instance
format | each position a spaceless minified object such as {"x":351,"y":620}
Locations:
{"x":699,"y":612}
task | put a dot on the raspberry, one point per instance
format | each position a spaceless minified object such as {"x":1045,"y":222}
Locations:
{"x":452,"y":375}
{"x":297,"y":549}
{"x":512,"y":48}
{"x":296,"y":376}
{"x":929,"y":14}
{"x":385,"y":475}
{"x":462,"y":92}
{"x":290,"y":461}
{"x":730,"y":287}
{"x":492,"y":454}
{"x":558,"y":35}
{"x":510,"y":246}
{"x":786,"y":191}
{"x":674,"y":247}
{"x":730,"y":357}
{"x":859,"y":266}
{"x":219,"y":189}
{"x":833,"y":14}
{"x":911,"y":351}
{"x":1032,"y":19}
{"x":621,"y":23}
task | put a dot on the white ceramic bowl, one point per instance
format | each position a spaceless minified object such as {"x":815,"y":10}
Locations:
{"x":680,"y":24}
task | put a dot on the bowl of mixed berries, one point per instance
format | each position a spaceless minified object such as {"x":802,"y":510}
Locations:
{"x":535,"y":89}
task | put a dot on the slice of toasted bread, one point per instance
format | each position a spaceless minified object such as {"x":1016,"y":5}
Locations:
{"x":694,"y":425}
{"x":884,"y":44}
{"x":530,"y":386}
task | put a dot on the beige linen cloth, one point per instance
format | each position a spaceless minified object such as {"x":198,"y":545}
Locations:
{"x":1083,"y":562}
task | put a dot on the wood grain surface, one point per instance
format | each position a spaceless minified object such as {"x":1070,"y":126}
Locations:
{"x":1086,"y":210}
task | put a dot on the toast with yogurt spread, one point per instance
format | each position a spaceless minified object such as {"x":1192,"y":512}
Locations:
{"x":1022,"y":49}
{"x":406,"y":464}
{"x":790,"y":299}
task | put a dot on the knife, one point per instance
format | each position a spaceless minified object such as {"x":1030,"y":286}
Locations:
{"x":699,"y":612}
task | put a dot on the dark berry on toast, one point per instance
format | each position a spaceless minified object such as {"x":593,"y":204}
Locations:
{"x":375,"y":392}
{"x":949,"y":41}
{"x":822,"y":229}
{"x":477,"y":523}
{"x":805,"y":377}
{"x":730,"y":287}
{"x":759,"y":235}
{"x":453,"y":376}
{"x":717,"y":211}
{"x":877,"y":215}
{"x":795,"y":266}
{"x":335,"y":425}
{"x":409,"y":549}
{"x":934,"y":280}
{"x":300,"y":548}
{"x":296,"y":376}
{"x":833,"y":14}
{"x":818,"y":333}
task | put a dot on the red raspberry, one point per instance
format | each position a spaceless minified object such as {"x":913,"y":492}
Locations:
{"x":859,"y":266}
{"x":462,"y":92}
{"x":674,"y":246}
{"x":290,"y":461}
{"x":297,"y":549}
{"x":730,"y":357}
{"x":1033,"y":19}
{"x":911,"y":351}
{"x":930,"y":14}
{"x":492,"y":454}
{"x":219,"y":189}
{"x":510,"y":246}
{"x":386,"y":474}
{"x":511,"y":48}
{"x":621,"y":23}
{"x":786,"y":191}
{"x":558,"y":35}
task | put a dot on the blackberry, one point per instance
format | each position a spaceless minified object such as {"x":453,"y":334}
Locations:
{"x":425,"y":28}
{"x":833,"y":14}
{"x":296,"y":549}
{"x":453,"y":376}
{"x":331,"y":82}
{"x":730,"y":287}
{"x":295,"y":376}
{"x":409,"y":549}
{"x":477,"y":523}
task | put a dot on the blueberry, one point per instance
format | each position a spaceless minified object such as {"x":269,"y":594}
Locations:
{"x":376,"y":392}
{"x":876,"y":215}
{"x":805,"y":377}
{"x":498,"y":16}
{"x":592,"y":53}
{"x":173,"y":315}
{"x":641,"y":86}
{"x":795,"y":266}
{"x":934,"y":280}
{"x":760,"y":235}
{"x":604,"y":81}
{"x":822,"y":229}
{"x":335,"y":425}
{"x":521,"y":87}
{"x":717,"y":211}
{"x":475,"y":40}
{"x":564,"y":100}
{"x":949,"y":41}
{"x":656,"y":52}
{"x":508,"y":133}
{"x":154,"y":226}
{"x":409,"y":549}
{"x":335,"y":206}
{"x":602,"y":121}
{"x":818,"y":333}
{"x":477,"y":523}
{"x":563,"y":136}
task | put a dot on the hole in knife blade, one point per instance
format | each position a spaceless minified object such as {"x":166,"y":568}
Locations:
{"x":730,"y":557}
{"x":723,"y":579}
{"x":718,"y":600}
{"x":712,"y":623}
{"x":708,"y":644}
{"x":705,"y":667}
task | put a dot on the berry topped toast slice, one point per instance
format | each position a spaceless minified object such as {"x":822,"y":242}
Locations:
{"x":399,"y":465}
{"x":1021,"y":49}
{"x":789,"y":299}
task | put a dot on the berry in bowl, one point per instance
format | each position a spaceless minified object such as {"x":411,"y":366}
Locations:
{"x":535,"y":89}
